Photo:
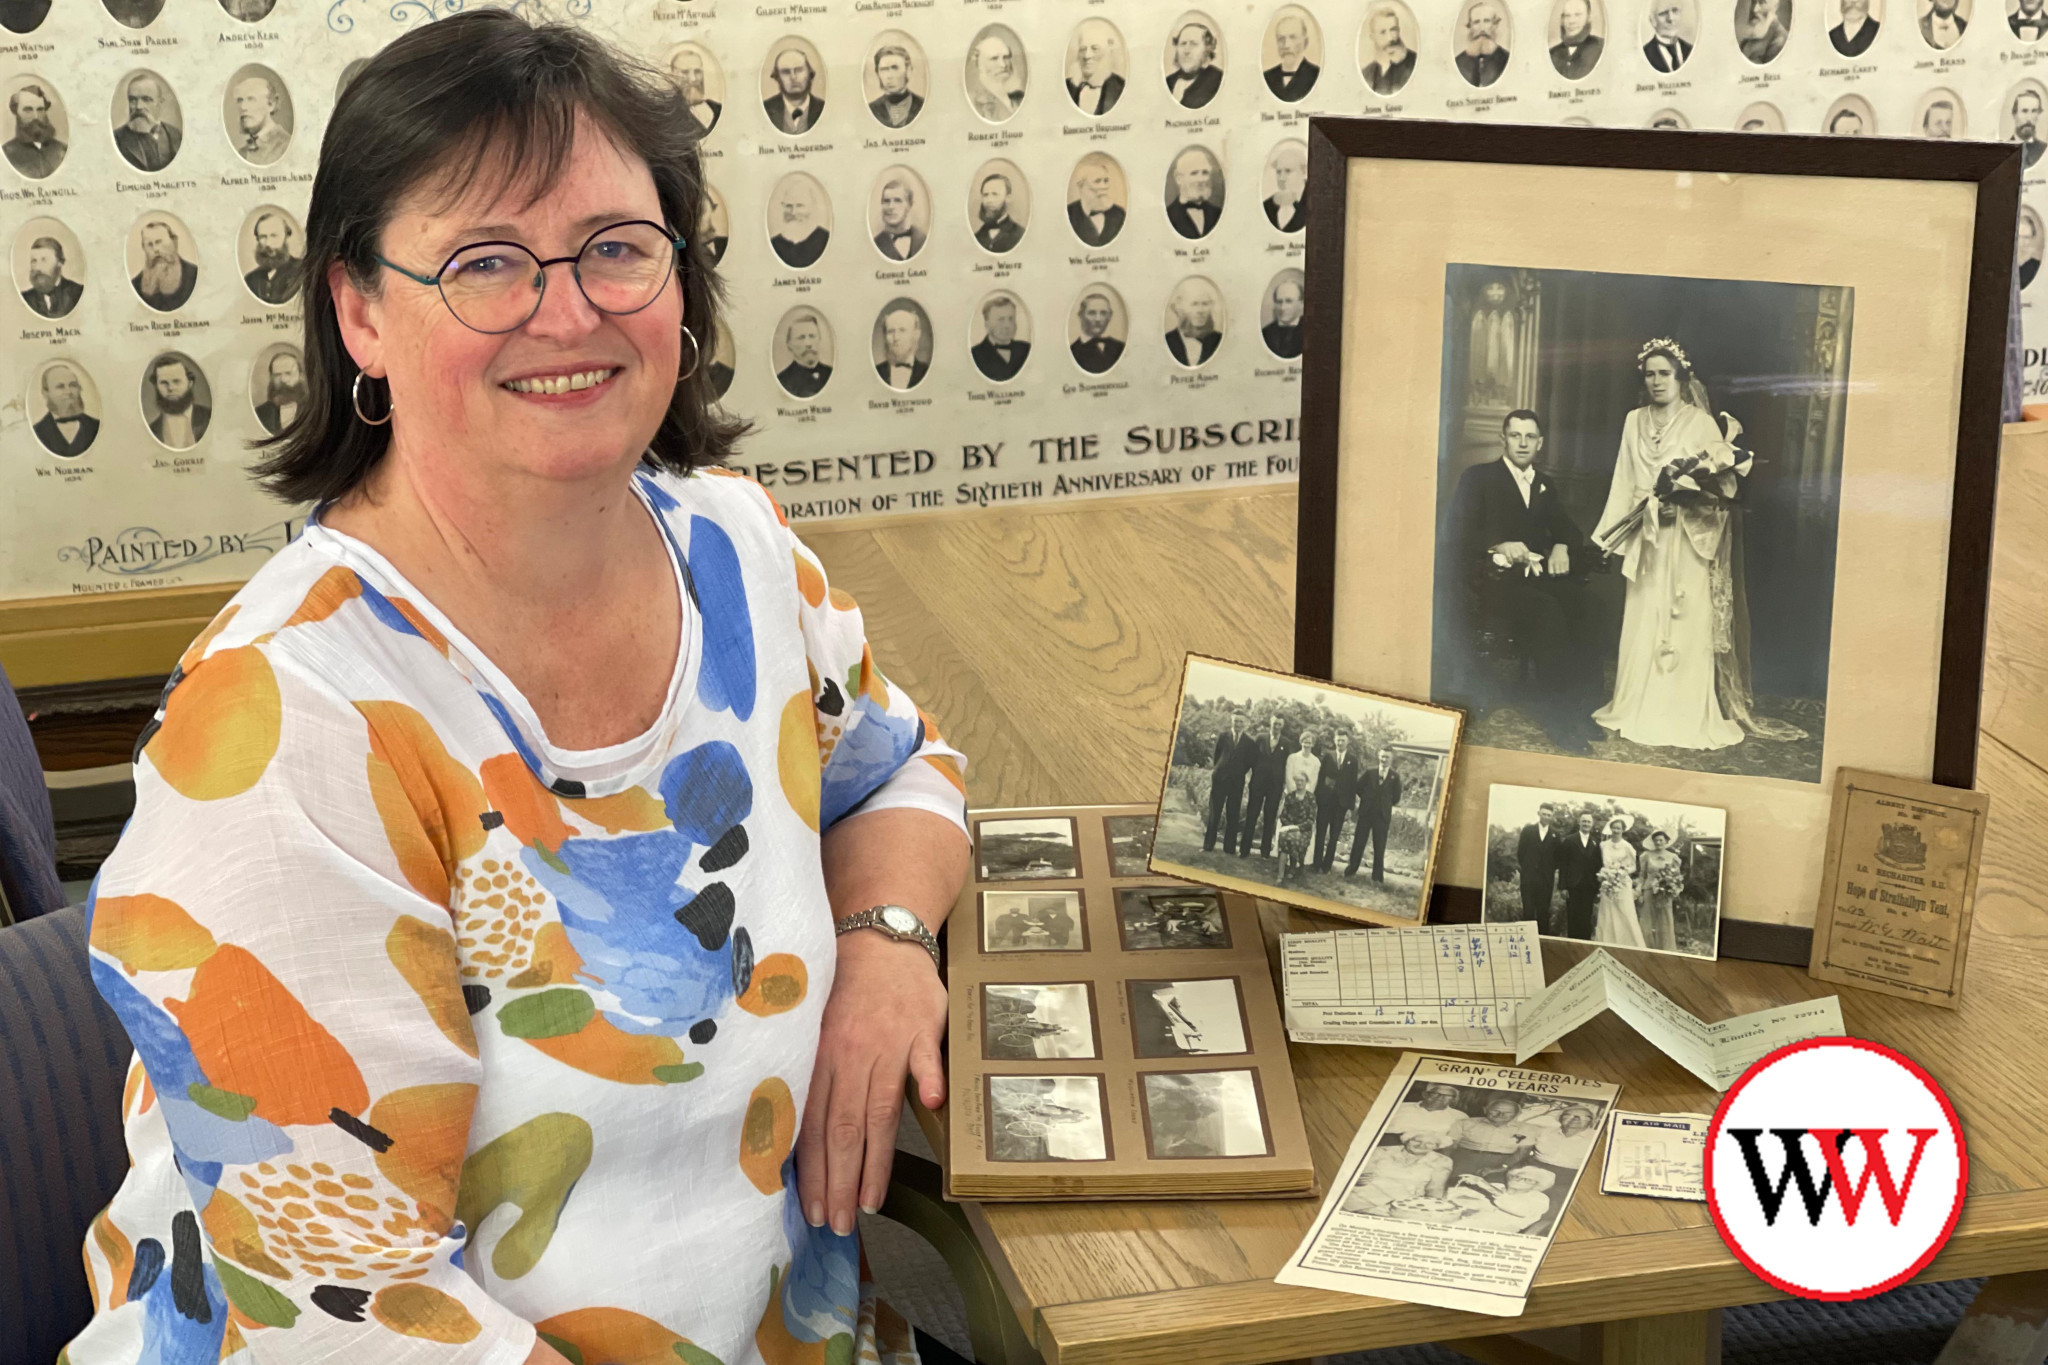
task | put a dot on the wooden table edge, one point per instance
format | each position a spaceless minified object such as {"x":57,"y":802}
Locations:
{"x":1676,"y":1271}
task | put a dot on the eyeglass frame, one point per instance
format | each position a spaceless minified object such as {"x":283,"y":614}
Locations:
{"x":541,"y":266}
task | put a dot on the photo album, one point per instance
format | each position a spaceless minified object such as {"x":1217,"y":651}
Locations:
{"x":1114,"y":1033}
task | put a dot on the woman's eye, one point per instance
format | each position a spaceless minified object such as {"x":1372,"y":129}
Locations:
{"x":480,"y":268}
{"x":614,"y":251}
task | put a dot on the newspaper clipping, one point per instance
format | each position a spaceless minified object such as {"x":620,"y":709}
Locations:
{"x":1455,"y":1185}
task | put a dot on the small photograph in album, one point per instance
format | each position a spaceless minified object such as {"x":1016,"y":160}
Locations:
{"x":1114,"y":1033}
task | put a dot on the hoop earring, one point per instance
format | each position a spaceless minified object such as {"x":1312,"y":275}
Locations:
{"x":355,"y":398}
{"x":696,"y":356}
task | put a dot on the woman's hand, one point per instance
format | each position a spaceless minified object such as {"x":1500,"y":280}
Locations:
{"x":885,"y":1017}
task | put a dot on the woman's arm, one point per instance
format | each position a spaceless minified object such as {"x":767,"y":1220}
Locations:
{"x":887,"y":1010}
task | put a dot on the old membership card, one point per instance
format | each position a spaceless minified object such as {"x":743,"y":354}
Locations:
{"x":1899,"y":886}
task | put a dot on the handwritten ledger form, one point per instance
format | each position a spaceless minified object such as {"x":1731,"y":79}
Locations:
{"x":1452,"y":986}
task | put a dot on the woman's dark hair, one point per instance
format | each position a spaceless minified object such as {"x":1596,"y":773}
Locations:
{"x":480,"y":94}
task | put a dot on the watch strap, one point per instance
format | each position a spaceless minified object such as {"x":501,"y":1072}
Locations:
{"x":871,"y":918}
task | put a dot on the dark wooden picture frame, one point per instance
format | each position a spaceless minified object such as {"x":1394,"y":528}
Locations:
{"x":1993,"y":168}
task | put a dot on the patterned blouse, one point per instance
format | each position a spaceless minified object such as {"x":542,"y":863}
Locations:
{"x":444,"y":1033}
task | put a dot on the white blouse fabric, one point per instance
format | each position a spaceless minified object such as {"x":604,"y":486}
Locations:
{"x":444,"y":1034}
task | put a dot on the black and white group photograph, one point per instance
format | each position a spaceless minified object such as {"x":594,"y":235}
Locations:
{"x":1306,"y":792}
{"x":1161,"y":918}
{"x":1033,"y":922}
{"x":1638,"y":491}
{"x":1027,"y":1022}
{"x":49,"y":267}
{"x":1197,"y":1114}
{"x":1202,"y":1018}
{"x":1291,"y":56}
{"x":1024,"y":848}
{"x":1622,"y":872}
{"x":1477,"y":1156}
{"x":1046,"y":1118}
{"x":63,"y":407}
{"x":1130,"y":844}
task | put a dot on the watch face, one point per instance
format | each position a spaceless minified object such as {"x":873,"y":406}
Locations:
{"x":901,"y":921}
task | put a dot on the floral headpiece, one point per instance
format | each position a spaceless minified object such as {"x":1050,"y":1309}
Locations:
{"x":1655,"y":344}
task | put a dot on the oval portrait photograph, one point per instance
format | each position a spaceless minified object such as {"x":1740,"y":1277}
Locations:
{"x":1943,"y":22}
{"x":1285,"y":184}
{"x":177,"y":402}
{"x":1386,"y":47}
{"x":801,"y":352}
{"x":1577,"y":33}
{"x":1669,"y":119}
{"x":724,"y":356}
{"x":1291,"y":57}
{"x":895,"y":80}
{"x":2028,"y":19}
{"x":714,"y":224}
{"x":270,"y":250}
{"x":1762,"y":28}
{"x":1280,"y":313}
{"x":2019,"y":120}
{"x":277,"y":386}
{"x":2026,"y":261}
{"x":899,"y":213}
{"x":1193,"y":60}
{"x":1761,"y":117}
{"x":1001,"y":328}
{"x":161,"y":264}
{"x":1482,"y":37}
{"x":702,"y":81}
{"x":249,"y":11}
{"x":23,"y":16}
{"x":1939,"y":115}
{"x":1194,"y":321}
{"x":39,"y":129}
{"x":1850,"y":116}
{"x":902,"y":344}
{"x":1098,"y":199}
{"x":148,"y":123}
{"x":1669,"y":30}
{"x":1098,"y":328}
{"x":258,"y":113}
{"x":1852,"y":24}
{"x":1194,"y":192}
{"x":998,"y":206}
{"x":1097,"y":66}
{"x":63,"y":407}
{"x":995,"y":73}
{"x":49,"y":267}
{"x":793,"y":86}
{"x":134,"y":13}
{"x":799,"y":220}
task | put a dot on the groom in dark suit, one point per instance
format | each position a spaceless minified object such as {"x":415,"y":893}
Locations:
{"x":1522,"y":558}
{"x":1536,"y":857}
{"x":1578,"y":876}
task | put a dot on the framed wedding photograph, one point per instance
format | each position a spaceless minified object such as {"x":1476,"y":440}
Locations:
{"x":1667,"y":458}
{"x":1326,"y":797}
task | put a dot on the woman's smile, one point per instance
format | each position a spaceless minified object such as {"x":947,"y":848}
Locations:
{"x":575,"y":385}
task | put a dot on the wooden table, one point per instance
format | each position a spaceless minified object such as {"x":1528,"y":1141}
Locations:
{"x":1049,"y":643}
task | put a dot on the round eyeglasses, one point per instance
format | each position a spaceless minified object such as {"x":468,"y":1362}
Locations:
{"x":494,"y":287}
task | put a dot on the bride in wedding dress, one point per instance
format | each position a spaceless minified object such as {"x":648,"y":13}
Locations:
{"x":1614,"y":917}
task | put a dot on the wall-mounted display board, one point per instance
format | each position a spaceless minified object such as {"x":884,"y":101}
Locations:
{"x":980,"y":252}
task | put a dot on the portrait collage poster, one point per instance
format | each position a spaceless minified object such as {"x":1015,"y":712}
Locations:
{"x":979,"y":252}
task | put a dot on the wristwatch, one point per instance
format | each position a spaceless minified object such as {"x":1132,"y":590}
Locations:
{"x":895,"y":921}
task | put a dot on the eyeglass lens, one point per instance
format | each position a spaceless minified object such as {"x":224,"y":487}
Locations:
{"x":496,"y":286}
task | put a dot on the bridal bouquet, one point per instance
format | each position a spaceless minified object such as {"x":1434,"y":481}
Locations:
{"x":1614,"y":879}
{"x":1664,"y":881}
{"x":1706,"y":478}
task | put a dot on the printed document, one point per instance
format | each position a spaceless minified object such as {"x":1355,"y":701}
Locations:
{"x":1440,"y":985}
{"x":1658,"y":1156}
{"x":1716,"y":1053}
{"x":1454,"y":1186}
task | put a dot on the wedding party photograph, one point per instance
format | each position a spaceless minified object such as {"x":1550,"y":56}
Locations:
{"x":1638,"y":493}
{"x":1305,"y":791}
{"x":1193,"y":1114}
{"x":1617,"y":871}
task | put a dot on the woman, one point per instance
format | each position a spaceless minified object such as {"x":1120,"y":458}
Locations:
{"x":1490,"y":1143}
{"x":1516,"y":1204}
{"x":1563,"y":1150}
{"x":1663,"y":877}
{"x":474,"y":927}
{"x":1414,"y":1170}
{"x":1681,"y":677}
{"x":1297,"y":822}
{"x":1614,"y":915}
